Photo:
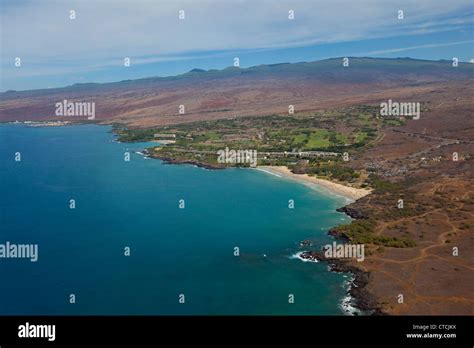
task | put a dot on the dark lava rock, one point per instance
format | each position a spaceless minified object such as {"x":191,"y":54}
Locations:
{"x":338,"y":234}
{"x":353,"y":213}
{"x":305,"y":243}
{"x":312,"y":255}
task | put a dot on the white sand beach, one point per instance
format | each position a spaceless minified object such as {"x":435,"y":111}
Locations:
{"x":346,"y":191}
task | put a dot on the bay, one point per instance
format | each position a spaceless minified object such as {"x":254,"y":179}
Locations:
{"x":173,"y":251}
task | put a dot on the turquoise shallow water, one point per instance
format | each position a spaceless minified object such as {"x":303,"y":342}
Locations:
{"x":174,"y":251}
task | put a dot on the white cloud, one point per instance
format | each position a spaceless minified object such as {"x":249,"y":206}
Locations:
{"x":108,"y":28}
{"x":409,"y":48}
{"x":105,"y":31}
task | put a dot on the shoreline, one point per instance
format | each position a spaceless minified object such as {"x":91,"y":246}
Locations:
{"x":360,"y":298}
{"x":350,"y":193}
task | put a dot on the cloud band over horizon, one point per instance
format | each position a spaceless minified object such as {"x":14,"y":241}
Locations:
{"x":56,"y":50}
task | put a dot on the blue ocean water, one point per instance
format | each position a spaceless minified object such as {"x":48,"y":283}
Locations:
{"x":174,"y":251}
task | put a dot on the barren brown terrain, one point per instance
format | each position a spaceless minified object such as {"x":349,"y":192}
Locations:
{"x":439,"y":195}
{"x":233,"y":92}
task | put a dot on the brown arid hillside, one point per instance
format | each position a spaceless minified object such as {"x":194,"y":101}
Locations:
{"x":438,"y":214}
{"x":234,"y":92}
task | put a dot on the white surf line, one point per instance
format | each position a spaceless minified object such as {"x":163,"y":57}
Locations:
{"x":268,"y":172}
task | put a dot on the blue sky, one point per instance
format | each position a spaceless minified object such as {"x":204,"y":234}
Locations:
{"x":58,"y":51}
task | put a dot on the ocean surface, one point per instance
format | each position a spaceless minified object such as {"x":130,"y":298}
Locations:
{"x":173,"y":251}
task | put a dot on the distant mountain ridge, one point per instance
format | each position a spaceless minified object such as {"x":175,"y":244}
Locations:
{"x":234,"y":91}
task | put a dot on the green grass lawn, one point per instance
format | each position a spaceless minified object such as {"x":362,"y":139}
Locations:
{"x":213,"y":135}
{"x":342,"y":138}
{"x":365,"y":119}
{"x":318,"y":139}
{"x":299,"y":139}
{"x":360,"y":137}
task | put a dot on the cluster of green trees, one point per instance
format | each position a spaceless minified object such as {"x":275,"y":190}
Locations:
{"x":362,"y":232}
{"x":134,"y":135}
{"x":334,"y":171}
{"x":382,"y":186}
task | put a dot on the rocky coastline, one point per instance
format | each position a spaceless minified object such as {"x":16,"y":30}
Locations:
{"x":168,"y":160}
{"x":363,"y":299}
{"x":352,"y":212}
